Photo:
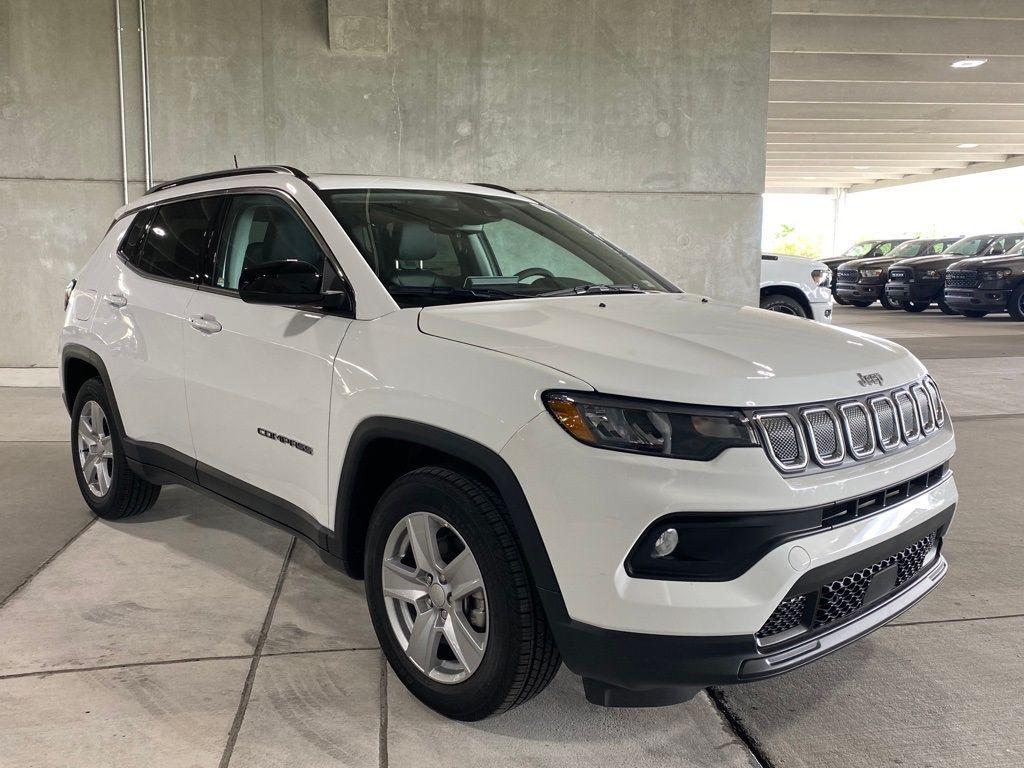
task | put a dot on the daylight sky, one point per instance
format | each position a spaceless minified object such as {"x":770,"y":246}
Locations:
{"x":980,"y":202}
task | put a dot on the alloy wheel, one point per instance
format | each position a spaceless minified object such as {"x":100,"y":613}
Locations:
{"x":95,"y":449}
{"x":435,"y":597}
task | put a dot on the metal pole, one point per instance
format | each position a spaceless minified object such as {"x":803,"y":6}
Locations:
{"x":120,"y":95}
{"x":146,"y":138}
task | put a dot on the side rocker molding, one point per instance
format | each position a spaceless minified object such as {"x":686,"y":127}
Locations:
{"x":483,"y":459}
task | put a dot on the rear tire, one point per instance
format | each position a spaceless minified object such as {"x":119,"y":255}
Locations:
{"x":947,"y":309}
{"x":916,"y":306}
{"x":107,"y":483}
{"x":889,"y":303}
{"x":446,"y":516}
{"x":973,"y":313}
{"x":786,"y":305}
{"x":1015,"y":305}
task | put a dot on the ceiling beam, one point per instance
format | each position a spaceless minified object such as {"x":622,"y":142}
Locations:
{"x":861,"y":67}
{"x":939,"y":115}
{"x":971,"y":169}
{"x":970,"y":128}
{"x":896,"y":35}
{"x":876,"y":158}
{"x":828,"y":92}
{"x":948,"y":9}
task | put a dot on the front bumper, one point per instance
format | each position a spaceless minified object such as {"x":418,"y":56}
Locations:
{"x":642,"y":633}
{"x":914,"y":290}
{"x":860,"y":291}
{"x":983,"y":299}
{"x":821,"y":311}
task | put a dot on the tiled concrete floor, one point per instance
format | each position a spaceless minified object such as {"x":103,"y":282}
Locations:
{"x":196,"y":636}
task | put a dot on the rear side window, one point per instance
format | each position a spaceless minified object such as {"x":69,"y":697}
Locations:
{"x":174,"y":246}
{"x":133,"y":237}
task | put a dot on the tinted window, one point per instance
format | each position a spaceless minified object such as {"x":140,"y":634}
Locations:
{"x":130,"y":243}
{"x":258,"y":229}
{"x":176,"y":239}
{"x":1005,"y":243}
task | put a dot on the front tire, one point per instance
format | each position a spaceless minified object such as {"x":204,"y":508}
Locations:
{"x":862,"y":304}
{"x":1015,"y":305}
{"x":916,"y":306}
{"x":973,"y":313}
{"x":451,"y":599}
{"x":777,"y":302}
{"x":947,"y":309}
{"x":888,"y":303}
{"x":107,"y":483}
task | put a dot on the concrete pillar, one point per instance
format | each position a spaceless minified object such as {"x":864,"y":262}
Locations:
{"x":645,"y":119}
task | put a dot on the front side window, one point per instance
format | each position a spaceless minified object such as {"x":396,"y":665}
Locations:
{"x":440,"y":247}
{"x":258,"y":229}
{"x":175,"y":243}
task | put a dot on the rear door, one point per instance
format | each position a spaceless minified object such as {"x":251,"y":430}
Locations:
{"x":258,"y":376}
{"x":140,"y":320}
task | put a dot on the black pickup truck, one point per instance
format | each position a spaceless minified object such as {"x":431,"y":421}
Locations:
{"x":975,"y":287}
{"x":865,"y":249}
{"x":916,"y":283}
{"x":861,"y":282}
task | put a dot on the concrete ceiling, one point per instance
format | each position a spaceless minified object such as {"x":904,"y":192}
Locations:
{"x":862,"y":94}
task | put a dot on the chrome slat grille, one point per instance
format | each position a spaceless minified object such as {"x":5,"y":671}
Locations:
{"x":833,"y":434}
{"x":961,"y":278}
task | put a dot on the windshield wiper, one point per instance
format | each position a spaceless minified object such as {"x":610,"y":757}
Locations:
{"x":446,"y":290}
{"x":590,"y":288}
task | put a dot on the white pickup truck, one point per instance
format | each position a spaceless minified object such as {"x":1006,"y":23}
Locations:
{"x":796,"y":286}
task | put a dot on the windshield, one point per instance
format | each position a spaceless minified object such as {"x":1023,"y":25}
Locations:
{"x":907,"y":250}
{"x":441,"y":247}
{"x":860,"y":249}
{"x":969,"y":246}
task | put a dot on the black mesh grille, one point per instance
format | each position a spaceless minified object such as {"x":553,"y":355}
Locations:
{"x":842,"y":597}
{"x":789,"y":614}
{"x":848,"y":275}
{"x":885,"y":414}
{"x":961,"y":278}
{"x":900,"y":274}
{"x":826,"y":436}
{"x":782,"y":436}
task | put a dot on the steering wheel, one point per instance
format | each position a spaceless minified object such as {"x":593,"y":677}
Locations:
{"x":533,"y":272}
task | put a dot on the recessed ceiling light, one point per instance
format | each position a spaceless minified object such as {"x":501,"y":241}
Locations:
{"x":860,"y":167}
{"x":967,"y":63}
{"x":810,"y":178}
{"x":966,"y":146}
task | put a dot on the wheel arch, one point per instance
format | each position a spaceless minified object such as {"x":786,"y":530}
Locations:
{"x":792,"y":292}
{"x":382,"y":449}
{"x":78,"y":364}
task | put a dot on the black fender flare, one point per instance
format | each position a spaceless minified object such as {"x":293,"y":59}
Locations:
{"x":485,"y":461}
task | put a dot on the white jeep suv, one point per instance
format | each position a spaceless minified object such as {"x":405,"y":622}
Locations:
{"x":531,"y":446}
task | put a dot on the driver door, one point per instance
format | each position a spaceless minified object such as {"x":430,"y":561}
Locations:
{"x":258,"y":377}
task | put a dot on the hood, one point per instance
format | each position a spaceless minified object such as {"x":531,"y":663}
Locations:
{"x":874,"y":261}
{"x":1014,"y":261}
{"x":933,"y":261}
{"x":678,"y":347}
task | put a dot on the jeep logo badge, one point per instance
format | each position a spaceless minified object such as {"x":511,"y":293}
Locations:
{"x":870,"y":379}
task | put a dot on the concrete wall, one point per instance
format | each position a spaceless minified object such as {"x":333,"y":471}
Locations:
{"x":645,"y":120}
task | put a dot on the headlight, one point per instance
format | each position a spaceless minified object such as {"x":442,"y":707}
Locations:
{"x":872,"y":272}
{"x":930,"y":274}
{"x":991,"y":275}
{"x":657,"y":429}
{"x":820,"y":276}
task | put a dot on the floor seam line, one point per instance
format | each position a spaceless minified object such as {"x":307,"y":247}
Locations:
{"x":736,"y":725}
{"x":955,"y":621}
{"x":250,"y":678}
{"x":987,"y":416}
{"x":382,"y":726}
{"x":46,"y":562}
{"x":126,"y":665}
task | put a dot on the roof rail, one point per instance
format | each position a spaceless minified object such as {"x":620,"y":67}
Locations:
{"x":227,"y":173}
{"x":494,"y":186}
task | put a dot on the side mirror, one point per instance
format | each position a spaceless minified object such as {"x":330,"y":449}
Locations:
{"x":282,"y":282}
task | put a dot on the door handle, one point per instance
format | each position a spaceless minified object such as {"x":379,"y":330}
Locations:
{"x":115,"y":300}
{"x":205,"y":323}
